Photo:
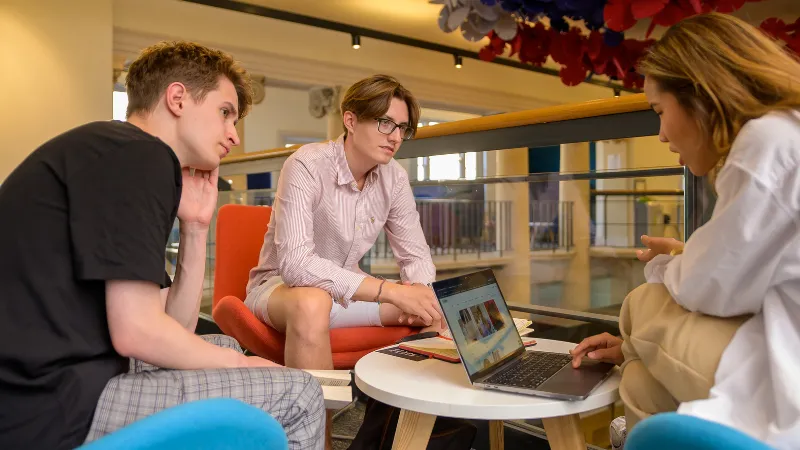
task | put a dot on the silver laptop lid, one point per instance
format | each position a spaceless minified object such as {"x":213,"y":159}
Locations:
{"x":477,"y":315}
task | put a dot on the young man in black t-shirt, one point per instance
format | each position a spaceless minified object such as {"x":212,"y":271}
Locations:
{"x":85,"y":304}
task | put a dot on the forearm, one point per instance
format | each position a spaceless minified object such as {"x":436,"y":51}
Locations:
{"x":368,"y":290}
{"x":302,"y":268}
{"x":183,"y":300}
{"x":139,"y":328}
{"x":370,"y":287}
{"x":163,"y":342}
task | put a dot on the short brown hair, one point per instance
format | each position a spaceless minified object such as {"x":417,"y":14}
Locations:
{"x":370,"y":99}
{"x":725,"y":72}
{"x":197,"y":67}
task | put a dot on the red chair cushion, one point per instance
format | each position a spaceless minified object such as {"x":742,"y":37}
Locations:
{"x":240,"y":235}
{"x":348,"y":344}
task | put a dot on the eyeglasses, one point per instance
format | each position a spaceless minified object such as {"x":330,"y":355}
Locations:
{"x":387,"y":126}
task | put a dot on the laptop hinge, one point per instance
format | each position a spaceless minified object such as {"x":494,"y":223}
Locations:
{"x":500,"y":367}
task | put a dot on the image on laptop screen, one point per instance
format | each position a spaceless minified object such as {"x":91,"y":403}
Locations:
{"x":479,"y":320}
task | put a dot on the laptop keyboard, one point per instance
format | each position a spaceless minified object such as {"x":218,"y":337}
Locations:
{"x":533,"y":369}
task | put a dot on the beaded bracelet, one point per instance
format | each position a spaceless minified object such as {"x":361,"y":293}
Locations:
{"x":377,"y":298}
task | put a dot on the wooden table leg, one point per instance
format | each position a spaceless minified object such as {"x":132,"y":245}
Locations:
{"x":413,"y":431}
{"x":496,"y":435}
{"x":564,"y":433}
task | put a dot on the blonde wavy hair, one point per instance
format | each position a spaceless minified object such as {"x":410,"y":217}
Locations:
{"x":725,"y":72}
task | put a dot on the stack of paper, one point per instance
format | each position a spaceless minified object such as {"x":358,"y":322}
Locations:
{"x":443,"y":348}
{"x":335,"y":387}
{"x":523,"y":327}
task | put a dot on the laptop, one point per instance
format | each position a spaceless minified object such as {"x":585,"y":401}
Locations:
{"x":492,"y":351}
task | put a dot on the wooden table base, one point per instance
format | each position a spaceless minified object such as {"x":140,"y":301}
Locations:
{"x":413,"y":431}
{"x":564,"y":433}
{"x":496,"y":435}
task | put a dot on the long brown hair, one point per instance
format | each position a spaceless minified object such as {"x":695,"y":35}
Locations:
{"x":725,"y":72}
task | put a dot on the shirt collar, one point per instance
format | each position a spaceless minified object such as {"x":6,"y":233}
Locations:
{"x":343,"y":174}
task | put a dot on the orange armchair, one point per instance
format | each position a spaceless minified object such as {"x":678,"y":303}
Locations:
{"x":240,"y":235}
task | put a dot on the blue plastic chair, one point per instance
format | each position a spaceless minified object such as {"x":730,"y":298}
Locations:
{"x":219,"y":424}
{"x":670,"y":431}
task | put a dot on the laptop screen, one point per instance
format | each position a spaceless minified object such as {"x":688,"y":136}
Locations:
{"x":478,"y":317}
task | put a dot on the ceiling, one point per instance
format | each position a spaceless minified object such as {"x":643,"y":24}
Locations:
{"x":411,"y":18}
{"x":418,"y":18}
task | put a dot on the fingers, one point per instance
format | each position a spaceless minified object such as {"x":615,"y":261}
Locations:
{"x":660,"y":244}
{"x":408,"y":319}
{"x":434,"y":312}
{"x":598,"y":340}
{"x":603,"y":354}
{"x":425,"y":317}
{"x":592,"y":343}
{"x":645,"y":255}
{"x":600,"y":347}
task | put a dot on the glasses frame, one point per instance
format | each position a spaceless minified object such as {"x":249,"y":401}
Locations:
{"x":409,"y":131}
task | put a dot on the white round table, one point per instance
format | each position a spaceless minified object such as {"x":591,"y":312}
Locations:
{"x":429,"y":388}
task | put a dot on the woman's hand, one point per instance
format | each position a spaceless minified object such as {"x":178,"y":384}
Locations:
{"x":657,"y":246}
{"x":601,"y":347}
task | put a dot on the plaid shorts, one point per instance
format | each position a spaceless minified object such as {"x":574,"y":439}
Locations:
{"x":292,"y":397}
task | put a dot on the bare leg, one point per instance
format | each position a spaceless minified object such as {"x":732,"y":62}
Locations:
{"x":303,"y":315}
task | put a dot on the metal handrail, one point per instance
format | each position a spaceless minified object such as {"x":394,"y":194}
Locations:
{"x":602,"y":319}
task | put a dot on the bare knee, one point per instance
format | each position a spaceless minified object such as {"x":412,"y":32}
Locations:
{"x":308,"y":315}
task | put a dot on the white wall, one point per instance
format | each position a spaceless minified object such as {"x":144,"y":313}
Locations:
{"x":56,"y":71}
{"x":283,"y":112}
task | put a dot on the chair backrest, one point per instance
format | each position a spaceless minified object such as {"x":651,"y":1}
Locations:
{"x":240,"y":235}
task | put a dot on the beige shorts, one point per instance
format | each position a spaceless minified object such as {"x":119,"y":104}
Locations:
{"x":357,"y":314}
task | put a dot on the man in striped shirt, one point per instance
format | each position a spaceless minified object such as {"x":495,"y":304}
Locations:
{"x":332,"y":201}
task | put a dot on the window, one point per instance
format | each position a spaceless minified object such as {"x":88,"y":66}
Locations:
{"x":445,"y":167}
{"x":452,"y":166}
{"x":120,"y":105}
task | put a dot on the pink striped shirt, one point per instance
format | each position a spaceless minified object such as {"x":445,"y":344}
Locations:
{"x":322,"y":225}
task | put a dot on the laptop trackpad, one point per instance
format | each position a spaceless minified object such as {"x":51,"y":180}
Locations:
{"x":577,"y":382}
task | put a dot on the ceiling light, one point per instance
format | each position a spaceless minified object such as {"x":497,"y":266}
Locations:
{"x":356,"y":41}
{"x":458,"y":61}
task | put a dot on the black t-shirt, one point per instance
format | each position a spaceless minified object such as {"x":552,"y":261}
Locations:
{"x":96,"y":203}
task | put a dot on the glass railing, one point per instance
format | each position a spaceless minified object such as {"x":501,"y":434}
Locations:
{"x":562,"y":242}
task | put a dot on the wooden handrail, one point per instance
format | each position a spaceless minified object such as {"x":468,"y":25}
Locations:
{"x":628,"y":103}
{"x":594,"y":108}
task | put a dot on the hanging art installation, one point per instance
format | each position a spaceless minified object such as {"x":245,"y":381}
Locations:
{"x":533,"y":30}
